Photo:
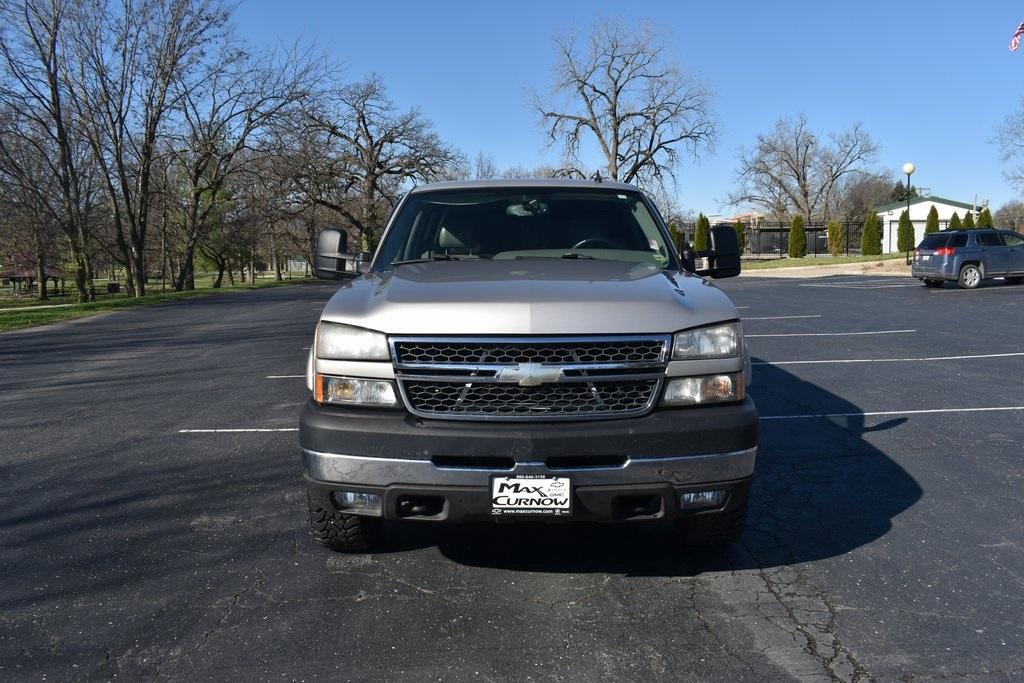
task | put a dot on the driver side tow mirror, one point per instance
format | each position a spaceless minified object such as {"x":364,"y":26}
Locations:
{"x":723,"y":258}
{"x":333,"y":262}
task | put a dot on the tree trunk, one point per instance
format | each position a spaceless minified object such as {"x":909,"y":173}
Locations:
{"x":220,"y":274}
{"x":273,"y":256}
{"x":40,"y":265}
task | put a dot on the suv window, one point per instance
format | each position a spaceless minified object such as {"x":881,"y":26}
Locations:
{"x":1012,"y":239}
{"x":959,"y":240}
{"x":989,"y":239}
{"x":933,"y":241}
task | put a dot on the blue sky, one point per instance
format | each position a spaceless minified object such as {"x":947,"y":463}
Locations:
{"x":929,"y":80}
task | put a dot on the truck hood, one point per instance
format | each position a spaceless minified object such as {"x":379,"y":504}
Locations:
{"x":538,"y":297}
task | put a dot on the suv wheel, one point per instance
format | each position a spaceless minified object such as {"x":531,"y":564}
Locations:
{"x":719,"y":528}
{"x":341,"y":532}
{"x":970,"y":276}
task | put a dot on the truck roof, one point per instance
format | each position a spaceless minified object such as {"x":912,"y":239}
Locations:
{"x":498,"y":183}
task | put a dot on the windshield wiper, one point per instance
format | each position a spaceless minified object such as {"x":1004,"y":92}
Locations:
{"x":434,"y":257}
{"x":576,"y":255}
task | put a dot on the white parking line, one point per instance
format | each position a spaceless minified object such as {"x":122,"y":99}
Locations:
{"x":829,"y":334}
{"x":783,"y":317}
{"x":894,"y":412}
{"x":285,"y":376}
{"x":235,"y":431}
{"x":886,"y":360}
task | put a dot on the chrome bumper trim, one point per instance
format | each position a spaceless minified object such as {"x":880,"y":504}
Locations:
{"x":371,"y":471}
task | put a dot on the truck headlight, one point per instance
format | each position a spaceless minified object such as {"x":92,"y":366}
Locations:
{"x":352,"y":391}
{"x":344,"y":342}
{"x":718,"y":341}
{"x":692,"y":391}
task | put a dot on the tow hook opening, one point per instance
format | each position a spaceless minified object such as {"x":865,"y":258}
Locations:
{"x":630,"y":507}
{"x":420,"y":506}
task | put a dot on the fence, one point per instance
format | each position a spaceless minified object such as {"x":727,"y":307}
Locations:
{"x":766,"y":240}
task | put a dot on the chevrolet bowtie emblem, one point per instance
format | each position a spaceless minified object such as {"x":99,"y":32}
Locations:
{"x":530,"y":374}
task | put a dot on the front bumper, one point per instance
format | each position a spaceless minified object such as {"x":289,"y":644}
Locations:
{"x":658,"y":456}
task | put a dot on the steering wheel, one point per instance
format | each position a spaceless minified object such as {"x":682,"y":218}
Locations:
{"x":595,"y":243}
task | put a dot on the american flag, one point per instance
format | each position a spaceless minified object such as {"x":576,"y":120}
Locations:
{"x":1015,"y":41}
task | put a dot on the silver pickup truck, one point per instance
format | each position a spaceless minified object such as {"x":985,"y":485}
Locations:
{"x":528,"y":350}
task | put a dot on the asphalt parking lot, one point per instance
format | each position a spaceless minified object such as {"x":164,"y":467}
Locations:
{"x":885,"y":539}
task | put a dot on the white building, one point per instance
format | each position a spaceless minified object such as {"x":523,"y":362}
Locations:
{"x":889,"y":217}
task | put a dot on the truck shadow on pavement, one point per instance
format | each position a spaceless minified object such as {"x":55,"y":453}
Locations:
{"x":821,"y":489}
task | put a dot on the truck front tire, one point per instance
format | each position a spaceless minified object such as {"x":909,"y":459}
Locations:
{"x":341,"y":532}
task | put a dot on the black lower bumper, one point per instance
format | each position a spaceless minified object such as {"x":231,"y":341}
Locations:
{"x":397,"y":434}
{"x":614,"y":503}
{"x":435,"y":470}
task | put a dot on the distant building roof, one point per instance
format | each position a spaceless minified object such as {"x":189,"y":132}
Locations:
{"x":926,"y":198}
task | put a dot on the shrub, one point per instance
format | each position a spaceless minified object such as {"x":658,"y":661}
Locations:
{"x":702,"y":234}
{"x":797,"y":238}
{"x":932,"y":224}
{"x":905,"y":233}
{"x":741,"y":236}
{"x":836,"y":238}
{"x":985,"y":218}
{"x":871,"y":237}
{"x":954,"y":222}
{"x":968,"y":220}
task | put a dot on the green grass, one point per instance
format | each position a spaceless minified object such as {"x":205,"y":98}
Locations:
{"x":32,"y":317}
{"x":816,"y":261}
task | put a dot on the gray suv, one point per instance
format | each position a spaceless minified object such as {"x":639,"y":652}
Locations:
{"x":969,"y":256}
{"x":528,"y":350}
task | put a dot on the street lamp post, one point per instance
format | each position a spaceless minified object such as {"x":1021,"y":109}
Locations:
{"x":909,"y":169}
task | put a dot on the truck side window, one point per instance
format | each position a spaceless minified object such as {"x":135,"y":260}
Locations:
{"x":958,"y":241}
{"x":989,"y":239}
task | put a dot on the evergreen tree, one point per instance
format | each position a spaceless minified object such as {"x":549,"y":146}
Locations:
{"x":741,"y":236}
{"x":932,"y":224}
{"x":968,"y":220}
{"x":905,"y":234}
{"x":836,"y":238}
{"x":871,"y":237}
{"x":900,"y":192}
{"x":954,"y":222}
{"x":673,"y":231}
{"x":702,"y":236}
{"x":985,"y":218}
{"x":797,"y":238}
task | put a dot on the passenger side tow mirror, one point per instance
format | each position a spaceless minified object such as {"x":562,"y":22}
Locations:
{"x":723,"y":258}
{"x":330,"y":254}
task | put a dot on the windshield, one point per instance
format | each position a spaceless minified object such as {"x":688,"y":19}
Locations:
{"x":518,"y":223}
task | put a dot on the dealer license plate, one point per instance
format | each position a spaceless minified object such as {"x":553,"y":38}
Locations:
{"x":531,"y":494}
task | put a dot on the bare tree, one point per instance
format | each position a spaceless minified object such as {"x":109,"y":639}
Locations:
{"x":484,"y":167}
{"x":366,"y":152}
{"x":857,"y":195}
{"x":793,"y":167}
{"x":224,"y":121}
{"x":129,"y":56}
{"x":33,"y":89}
{"x":619,"y":91}
{"x":1009,"y":137}
{"x":1010,"y":215}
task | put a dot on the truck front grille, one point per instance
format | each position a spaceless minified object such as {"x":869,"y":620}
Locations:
{"x":589,"y":399}
{"x":530,"y":379}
